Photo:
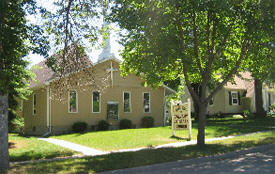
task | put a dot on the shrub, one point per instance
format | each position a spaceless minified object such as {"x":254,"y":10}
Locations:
{"x":125,"y":124}
{"x":271,"y":110}
{"x":103,"y":125}
{"x":79,"y":127}
{"x":246,"y":113}
{"x":17,"y":125}
{"x":147,"y":122}
{"x":168,"y":121}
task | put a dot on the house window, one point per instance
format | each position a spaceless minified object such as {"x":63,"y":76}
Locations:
{"x":96,"y":102}
{"x":211,"y":102}
{"x":112,"y":110}
{"x":34,"y":104}
{"x":146,"y":102}
{"x":127,"y":102}
{"x":235,"y":99}
{"x":73,"y":106}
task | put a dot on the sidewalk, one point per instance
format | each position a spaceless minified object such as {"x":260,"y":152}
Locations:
{"x":94,"y":152}
{"x":76,"y":147}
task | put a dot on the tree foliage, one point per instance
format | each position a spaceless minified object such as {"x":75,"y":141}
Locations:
{"x":74,"y":25}
{"x":17,"y":39}
{"x":205,"y":42}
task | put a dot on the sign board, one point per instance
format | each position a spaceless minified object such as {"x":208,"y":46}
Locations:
{"x":181,"y":117}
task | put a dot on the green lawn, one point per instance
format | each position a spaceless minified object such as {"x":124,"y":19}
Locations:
{"x":145,"y":157}
{"x":30,"y":148}
{"x":133,"y":138}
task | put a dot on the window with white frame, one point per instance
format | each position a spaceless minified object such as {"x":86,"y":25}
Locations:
{"x":34,"y":104}
{"x":146,"y":102}
{"x":73,"y":102}
{"x":96,"y":102}
{"x":234,"y":95}
{"x":127,"y":102}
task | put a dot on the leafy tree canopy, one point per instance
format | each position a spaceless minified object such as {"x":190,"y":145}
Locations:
{"x":205,"y":42}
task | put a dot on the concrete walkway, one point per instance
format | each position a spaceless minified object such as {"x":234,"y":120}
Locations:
{"x":94,"y":152}
{"x":76,"y":147}
{"x":185,"y":143}
{"x":86,"y":151}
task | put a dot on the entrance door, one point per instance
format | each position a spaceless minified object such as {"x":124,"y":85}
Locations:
{"x":112,"y":110}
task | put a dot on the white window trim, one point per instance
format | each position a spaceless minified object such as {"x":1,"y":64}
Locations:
{"x":236,"y":92}
{"x":130,"y":100}
{"x":34,"y":94}
{"x":149,"y":102}
{"x":69,"y":101}
{"x":93,"y":102}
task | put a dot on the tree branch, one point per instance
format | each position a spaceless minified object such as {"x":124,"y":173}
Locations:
{"x":188,"y":84}
{"x":244,"y":48}
{"x":196,"y":49}
{"x":224,"y":41}
{"x":210,"y":49}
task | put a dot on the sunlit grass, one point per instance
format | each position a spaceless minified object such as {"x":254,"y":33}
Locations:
{"x":136,"y":138}
{"x":145,"y":157}
{"x":30,"y":148}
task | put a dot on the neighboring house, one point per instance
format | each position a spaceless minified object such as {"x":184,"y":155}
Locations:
{"x":124,"y":98}
{"x":229,"y":99}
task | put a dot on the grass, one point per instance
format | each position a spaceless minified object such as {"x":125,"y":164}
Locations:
{"x":145,"y":157}
{"x":30,"y":148}
{"x":134,"y":138}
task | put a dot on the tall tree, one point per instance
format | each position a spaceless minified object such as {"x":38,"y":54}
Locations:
{"x":15,"y":34}
{"x":203,"y":41}
{"x":263,"y":63}
{"x":75,"y":25}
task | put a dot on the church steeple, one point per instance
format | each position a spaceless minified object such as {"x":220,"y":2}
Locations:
{"x":106,"y":52}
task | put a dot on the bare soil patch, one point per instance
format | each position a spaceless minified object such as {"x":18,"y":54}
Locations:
{"x":17,"y":144}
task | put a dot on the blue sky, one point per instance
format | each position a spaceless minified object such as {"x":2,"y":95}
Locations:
{"x":92,"y":52}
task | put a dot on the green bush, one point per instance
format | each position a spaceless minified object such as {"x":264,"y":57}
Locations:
{"x":125,"y":124}
{"x":147,"y":122}
{"x":79,"y":127}
{"x":271,"y":110}
{"x":17,"y":125}
{"x":103,"y":125}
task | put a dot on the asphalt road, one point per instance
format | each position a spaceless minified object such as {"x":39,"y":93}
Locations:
{"x":259,"y":160}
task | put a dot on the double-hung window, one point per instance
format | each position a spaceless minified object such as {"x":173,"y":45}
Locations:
{"x":96,"y":102}
{"x":127,"y":102}
{"x":34,"y":104}
{"x":73,"y":102}
{"x":234,"y":95}
{"x":146,"y":102}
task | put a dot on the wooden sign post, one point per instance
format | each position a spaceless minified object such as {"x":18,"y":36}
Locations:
{"x":181,"y":117}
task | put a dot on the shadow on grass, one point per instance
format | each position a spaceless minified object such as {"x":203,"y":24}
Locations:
{"x":178,"y":138}
{"x":12,"y":145}
{"x":133,"y":159}
{"x":34,"y":155}
{"x":238,"y":126}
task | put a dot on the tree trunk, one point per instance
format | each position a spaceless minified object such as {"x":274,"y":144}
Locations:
{"x":4,"y":145}
{"x":201,"y":125}
{"x":260,"y":112}
{"x":197,"y":89}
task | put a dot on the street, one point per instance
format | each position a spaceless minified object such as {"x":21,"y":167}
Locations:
{"x":258,"y":160}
